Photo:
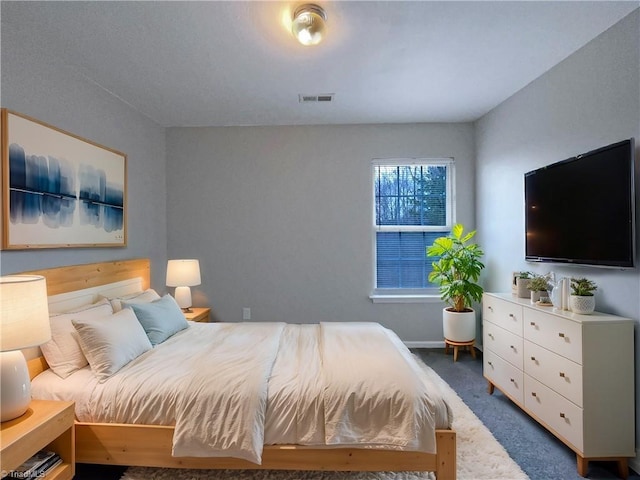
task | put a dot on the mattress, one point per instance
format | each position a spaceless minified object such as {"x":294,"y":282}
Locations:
{"x":230,"y":388}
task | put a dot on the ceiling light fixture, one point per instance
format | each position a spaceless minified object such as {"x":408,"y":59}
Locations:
{"x":308,"y":24}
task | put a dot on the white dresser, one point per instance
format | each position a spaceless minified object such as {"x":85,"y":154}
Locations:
{"x":572,"y":373}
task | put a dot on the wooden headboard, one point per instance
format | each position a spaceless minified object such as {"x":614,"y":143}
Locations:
{"x":78,"y":277}
{"x":72,"y":278}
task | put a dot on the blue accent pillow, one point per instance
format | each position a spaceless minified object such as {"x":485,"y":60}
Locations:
{"x":160,"y":318}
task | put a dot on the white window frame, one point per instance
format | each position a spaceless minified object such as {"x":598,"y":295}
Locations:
{"x":409,"y":295}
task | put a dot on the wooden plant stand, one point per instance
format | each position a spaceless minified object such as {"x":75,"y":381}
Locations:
{"x":456,"y":345}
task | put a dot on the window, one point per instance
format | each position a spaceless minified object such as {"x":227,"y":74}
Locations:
{"x":413,"y":205}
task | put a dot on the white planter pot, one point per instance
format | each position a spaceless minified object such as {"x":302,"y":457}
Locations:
{"x":523,"y":287}
{"x":583,"y":305}
{"x":535,"y":296}
{"x":459,"y":326}
{"x":538,"y":296}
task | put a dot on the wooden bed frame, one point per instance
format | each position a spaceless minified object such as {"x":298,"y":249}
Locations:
{"x":150,"y":445}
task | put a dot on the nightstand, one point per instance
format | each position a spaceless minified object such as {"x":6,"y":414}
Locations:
{"x":47,"y":424}
{"x":199,"y":314}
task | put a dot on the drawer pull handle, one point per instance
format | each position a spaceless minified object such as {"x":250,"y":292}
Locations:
{"x":561,"y":335}
{"x":533,"y":359}
{"x":490,"y":335}
{"x":511,"y":315}
{"x":533,"y":394}
{"x":490,"y":363}
{"x":490,"y":308}
{"x":512,"y":347}
{"x":562,"y":374}
{"x":533,"y":324}
{"x":561,"y":415}
{"x":512,"y":380}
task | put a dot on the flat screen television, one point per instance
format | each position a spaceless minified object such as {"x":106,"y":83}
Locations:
{"x":581,"y":210}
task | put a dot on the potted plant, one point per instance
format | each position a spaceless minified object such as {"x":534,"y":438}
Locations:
{"x":538,"y":285}
{"x":583,"y":300}
{"x":457,"y":271}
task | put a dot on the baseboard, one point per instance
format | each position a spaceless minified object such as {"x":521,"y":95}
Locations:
{"x":634,"y":463}
{"x":429,"y":344}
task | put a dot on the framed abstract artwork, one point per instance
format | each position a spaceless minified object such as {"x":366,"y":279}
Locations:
{"x":58,"y":189}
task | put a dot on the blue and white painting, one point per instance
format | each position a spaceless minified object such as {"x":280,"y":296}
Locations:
{"x":63,"y":191}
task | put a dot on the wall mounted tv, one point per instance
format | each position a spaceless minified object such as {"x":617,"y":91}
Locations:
{"x":581,"y":210}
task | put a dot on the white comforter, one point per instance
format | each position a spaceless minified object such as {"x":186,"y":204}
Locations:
{"x":230,"y":388}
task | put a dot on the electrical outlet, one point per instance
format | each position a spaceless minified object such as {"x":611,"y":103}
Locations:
{"x":246,"y":313}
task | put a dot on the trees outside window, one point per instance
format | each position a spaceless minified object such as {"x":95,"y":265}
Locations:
{"x":413,"y":206}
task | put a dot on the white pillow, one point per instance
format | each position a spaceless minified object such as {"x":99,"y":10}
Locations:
{"x":109,"y":343}
{"x":63,"y":352}
{"x":147,"y":296}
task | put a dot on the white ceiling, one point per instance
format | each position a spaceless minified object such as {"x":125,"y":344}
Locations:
{"x":204,"y":63}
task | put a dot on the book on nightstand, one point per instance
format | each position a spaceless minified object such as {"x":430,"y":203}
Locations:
{"x":36,"y":467}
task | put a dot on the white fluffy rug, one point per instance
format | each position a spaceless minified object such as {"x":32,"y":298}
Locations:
{"x":480,"y":457}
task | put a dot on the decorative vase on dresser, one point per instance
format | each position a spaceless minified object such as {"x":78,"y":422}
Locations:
{"x":572,"y":373}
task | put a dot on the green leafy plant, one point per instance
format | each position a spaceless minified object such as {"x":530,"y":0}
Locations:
{"x":583,"y":287}
{"x":539,"y":283}
{"x":525,"y":275}
{"x":457,"y":269}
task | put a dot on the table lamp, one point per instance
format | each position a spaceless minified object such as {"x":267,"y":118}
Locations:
{"x":24,"y":323}
{"x":183,"y":274}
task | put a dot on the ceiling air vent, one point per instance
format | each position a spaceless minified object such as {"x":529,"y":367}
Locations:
{"x":322,"y":97}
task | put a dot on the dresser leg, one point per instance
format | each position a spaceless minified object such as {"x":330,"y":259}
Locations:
{"x":583,"y":465}
{"x":623,"y":468}
{"x":490,"y":388}
{"x":621,"y":462}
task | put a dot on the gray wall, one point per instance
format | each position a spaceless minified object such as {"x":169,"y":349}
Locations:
{"x":589,"y":100}
{"x":281,"y":217}
{"x":42,"y":87}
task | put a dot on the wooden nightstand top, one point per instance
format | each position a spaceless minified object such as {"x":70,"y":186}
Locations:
{"x":43,"y":423}
{"x":199,"y":314}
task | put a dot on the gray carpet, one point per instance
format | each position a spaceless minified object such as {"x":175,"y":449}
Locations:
{"x":538,"y":453}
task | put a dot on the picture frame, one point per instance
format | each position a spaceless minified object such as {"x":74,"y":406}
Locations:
{"x":59,"y":190}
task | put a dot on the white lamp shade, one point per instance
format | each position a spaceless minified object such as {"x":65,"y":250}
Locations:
{"x":24,"y":312}
{"x":183,"y":273}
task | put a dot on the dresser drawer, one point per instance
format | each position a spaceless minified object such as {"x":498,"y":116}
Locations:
{"x":503,"y":375}
{"x":557,"y":334}
{"x":559,"y":373}
{"x":504,"y":343}
{"x":505,"y":314}
{"x":556,"y":411}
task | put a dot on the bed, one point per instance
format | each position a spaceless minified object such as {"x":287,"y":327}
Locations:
{"x":151,"y":444}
